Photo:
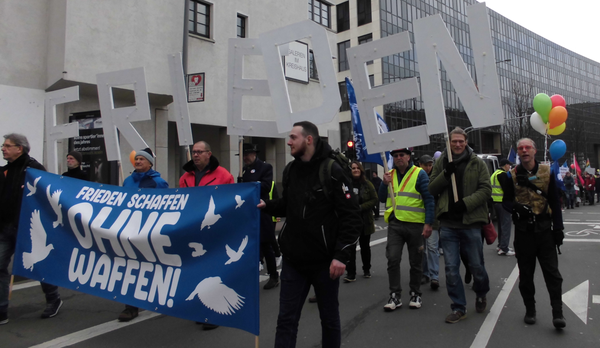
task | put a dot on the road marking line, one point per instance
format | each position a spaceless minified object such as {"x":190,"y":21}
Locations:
{"x":485,"y":332}
{"x":374,"y":242}
{"x":579,"y":223}
{"x":94,"y":331}
{"x":25,"y":285}
{"x":582,"y":240}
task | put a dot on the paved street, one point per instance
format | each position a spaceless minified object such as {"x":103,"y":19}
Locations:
{"x":88,"y":321}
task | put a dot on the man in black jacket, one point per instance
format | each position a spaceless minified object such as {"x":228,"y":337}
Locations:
{"x":257,"y":170}
{"x":316,"y":238}
{"x":74,"y":159}
{"x":15,"y":151}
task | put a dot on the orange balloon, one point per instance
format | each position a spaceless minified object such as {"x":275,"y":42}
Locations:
{"x":558,"y":129}
{"x":558,"y":115}
{"x":132,"y":158}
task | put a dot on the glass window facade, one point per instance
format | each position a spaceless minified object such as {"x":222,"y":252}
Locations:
{"x":364,"y":39}
{"x":527,"y":64}
{"x":313,"y":73}
{"x":344,"y":94}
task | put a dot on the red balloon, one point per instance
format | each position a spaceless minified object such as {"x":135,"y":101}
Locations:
{"x":558,"y":100}
{"x":572,"y":166}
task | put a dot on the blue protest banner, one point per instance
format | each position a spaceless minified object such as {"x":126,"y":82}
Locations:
{"x":360,"y":146}
{"x":190,"y":253}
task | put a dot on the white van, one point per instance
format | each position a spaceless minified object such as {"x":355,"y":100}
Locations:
{"x":491,"y":161}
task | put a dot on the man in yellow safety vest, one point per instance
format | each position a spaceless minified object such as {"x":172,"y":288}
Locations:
{"x":409,"y":214}
{"x":504,"y":217}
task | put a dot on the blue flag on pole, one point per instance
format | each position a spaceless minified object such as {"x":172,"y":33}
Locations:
{"x":362,"y":154}
{"x":512,"y":155}
{"x":555,"y":170}
{"x":180,"y":252}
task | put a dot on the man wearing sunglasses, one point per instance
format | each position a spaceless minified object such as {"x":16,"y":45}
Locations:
{"x":530,"y":193}
{"x":409,"y":216}
{"x":461,"y":218}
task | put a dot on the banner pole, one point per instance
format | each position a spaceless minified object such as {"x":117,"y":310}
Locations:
{"x":256,"y":341}
{"x":120,"y":172}
{"x":390,"y":185}
{"x":10,"y":286}
{"x":241,"y":157}
{"x":452,"y":177}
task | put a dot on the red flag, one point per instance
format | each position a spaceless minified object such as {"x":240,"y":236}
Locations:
{"x":578,"y":169}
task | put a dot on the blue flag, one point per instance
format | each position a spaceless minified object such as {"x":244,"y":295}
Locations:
{"x":512,"y":155}
{"x":180,"y":252}
{"x":362,"y":154}
{"x":555,"y":170}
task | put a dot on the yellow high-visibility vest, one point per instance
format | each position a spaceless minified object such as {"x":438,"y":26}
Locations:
{"x":497,"y":192}
{"x":409,"y":203}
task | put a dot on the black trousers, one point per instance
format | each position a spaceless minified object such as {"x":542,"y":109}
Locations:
{"x":530,"y":246}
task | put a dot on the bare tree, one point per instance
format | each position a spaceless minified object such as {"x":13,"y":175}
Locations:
{"x":518,"y":105}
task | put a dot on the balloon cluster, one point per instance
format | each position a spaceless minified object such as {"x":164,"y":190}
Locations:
{"x":550,"y":114}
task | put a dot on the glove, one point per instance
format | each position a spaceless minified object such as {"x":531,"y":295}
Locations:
{"x":522,"y":211}
{"x":522,"y":180}
{"x":449,"y":169}
{"x":558,"y":237}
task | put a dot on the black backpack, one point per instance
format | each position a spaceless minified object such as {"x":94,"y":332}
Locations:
{"x":325,"y":171}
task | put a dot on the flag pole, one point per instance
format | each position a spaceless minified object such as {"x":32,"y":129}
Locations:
{"x":449,"y":154}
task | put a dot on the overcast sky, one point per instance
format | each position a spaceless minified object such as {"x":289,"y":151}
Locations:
{"x":573,"y":24}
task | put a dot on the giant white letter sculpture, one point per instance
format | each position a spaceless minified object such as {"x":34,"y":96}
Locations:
{"x":180,"y":105}
{"x":121,"y":118}
{"x":432,"y":41}
{"x":54,"y":131}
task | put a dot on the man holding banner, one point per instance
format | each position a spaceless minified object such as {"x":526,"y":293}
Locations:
{"x":15,"y":151}
{"x":143,"y":177}
{"x":204,"y":170}
{"x":322,"y":223}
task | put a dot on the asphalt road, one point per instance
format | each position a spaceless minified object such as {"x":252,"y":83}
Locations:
{"x":88,"y":321}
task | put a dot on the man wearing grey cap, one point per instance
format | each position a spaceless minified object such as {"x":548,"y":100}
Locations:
{"x":504,"y":217}
{"x":142,"y":177}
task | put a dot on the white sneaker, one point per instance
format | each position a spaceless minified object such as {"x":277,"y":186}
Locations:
{"x":392,"y":304}
{"x":415,"y":301}
{"x":278,"y":261}
{"x":260,"y":266}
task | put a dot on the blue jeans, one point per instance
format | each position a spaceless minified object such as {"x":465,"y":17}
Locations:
{"x":431,"y":259}
{"x":470,"y":242}
{"x":504,"y":226}
{"x":295,"y":285}
{"x":8,"y":235}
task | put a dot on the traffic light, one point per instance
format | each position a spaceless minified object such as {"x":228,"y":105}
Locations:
{"x":351,"y":154}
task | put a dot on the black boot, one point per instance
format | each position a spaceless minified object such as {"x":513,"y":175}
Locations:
{"x":558,"y":320}
{"x":272,"y":283}
{"x":530,"y":316}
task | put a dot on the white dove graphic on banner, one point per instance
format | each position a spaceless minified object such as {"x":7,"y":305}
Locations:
{"x":210,"y":218}
{"x":33,"y":188}
{"x":39,"y":249}
{"x":217,"y":296}
{"x":198,"y":249}
{"x":234,"y":256}
{"x":53,"y":199}
{"x":239,"y":201}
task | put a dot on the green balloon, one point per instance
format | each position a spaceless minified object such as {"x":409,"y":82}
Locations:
{"x":542,"y":104}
